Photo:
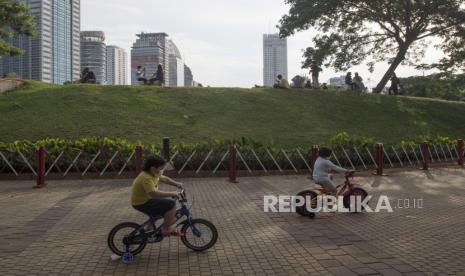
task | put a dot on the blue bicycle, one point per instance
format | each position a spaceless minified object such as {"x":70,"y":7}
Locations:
{"x":129,"y":239}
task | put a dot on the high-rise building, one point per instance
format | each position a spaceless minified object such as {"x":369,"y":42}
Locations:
{"x":188,"y":77}
{"x":150,"y":50}
{"x":52,"y":55}
{"x":176,"y":66}
{"x":274,"y":58}
{"x":117,"y":68}
{"x":93,"y":54}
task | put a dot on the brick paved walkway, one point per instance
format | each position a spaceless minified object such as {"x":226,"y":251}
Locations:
{"x":62,"y":230}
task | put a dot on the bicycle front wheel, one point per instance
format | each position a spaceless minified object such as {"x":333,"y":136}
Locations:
{"x":200,"y":235}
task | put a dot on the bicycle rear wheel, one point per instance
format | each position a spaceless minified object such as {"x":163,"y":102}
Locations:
{"x":200,"y":235}
{"x":119,"y":237}
{"x":307,"y":195}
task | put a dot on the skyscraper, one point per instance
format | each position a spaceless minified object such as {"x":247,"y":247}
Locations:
{"x":53,"y":55}
{"x":188,"y":77}
{"x":176,"y":66}
{"x":274,"y":58}
{"x":93,"y":54}
{"x":117,"y":67}
{"x":149,"y":50}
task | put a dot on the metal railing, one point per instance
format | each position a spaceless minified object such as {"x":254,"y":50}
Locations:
{"x":230,"y":161}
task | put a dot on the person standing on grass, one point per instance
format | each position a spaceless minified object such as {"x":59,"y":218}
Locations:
{"x":315,"y":71}
{"x":395,"y":82}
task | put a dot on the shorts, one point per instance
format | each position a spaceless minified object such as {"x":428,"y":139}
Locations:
{"x":326,"y":183}
{"x":156,"y":207}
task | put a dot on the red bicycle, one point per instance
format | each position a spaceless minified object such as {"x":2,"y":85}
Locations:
{"x":348,"y":190}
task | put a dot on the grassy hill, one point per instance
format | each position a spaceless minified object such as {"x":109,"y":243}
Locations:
{"x":289,"y":118}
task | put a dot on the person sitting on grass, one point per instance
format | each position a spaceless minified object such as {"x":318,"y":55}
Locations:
{"x":88,"y":76}
{"x":281,"y":83}
{"x":148,"y":199}
{"x":322,"y":169}
{"x":158,"y":78}
{"x":140,"y":74}
{"x":349,"y":82}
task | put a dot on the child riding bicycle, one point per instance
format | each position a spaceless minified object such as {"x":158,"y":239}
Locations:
{"x":322,"y":169}
{"x":146,"y":197}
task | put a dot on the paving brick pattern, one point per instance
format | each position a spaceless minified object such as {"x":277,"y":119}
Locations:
{"x":62,"y":230}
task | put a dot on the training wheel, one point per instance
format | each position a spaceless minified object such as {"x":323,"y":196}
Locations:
{"x":128,"y":258}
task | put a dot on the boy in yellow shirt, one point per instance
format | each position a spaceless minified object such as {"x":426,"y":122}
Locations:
{"x":146,"y":197}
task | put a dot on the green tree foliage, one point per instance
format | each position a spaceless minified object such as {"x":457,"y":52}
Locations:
{"x":396,"y":31}
{"x":448,"y":87}
{"x":15,"y":20}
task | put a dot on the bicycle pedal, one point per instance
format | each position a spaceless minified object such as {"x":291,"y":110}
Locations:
{"x":154,"y":238}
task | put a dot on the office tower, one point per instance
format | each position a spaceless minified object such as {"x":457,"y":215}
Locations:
{"x":117,"y":69}
{"x":53,"y":54}
{"x":176,"y":66}
{"x":274,"y":58}
{"x":337,"y":81}
{"x":188,"y":77}
{"x":149,"y":50}
{"x":93,"y":54}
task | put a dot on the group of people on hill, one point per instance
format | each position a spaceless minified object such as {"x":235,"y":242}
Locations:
{"x":352,"y":83}
{"x":157,"y":78}
{"x":355,"y":83}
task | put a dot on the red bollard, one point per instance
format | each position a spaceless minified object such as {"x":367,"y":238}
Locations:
{"x":460,"y":152}
{"x":426,"y":155}
{"x":138,"y":159}
{"x":315,"y":153}
{"x":232,"y":164}
{"x":379,"y":159}
{"x":40,"y":168}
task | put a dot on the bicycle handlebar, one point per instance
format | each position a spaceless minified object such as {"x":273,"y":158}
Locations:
{"x":349,"y":174}
{"x":182,"y":195}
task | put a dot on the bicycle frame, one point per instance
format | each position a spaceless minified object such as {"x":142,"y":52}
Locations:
{"x":182,"y":212}
{"x":347,"y":187}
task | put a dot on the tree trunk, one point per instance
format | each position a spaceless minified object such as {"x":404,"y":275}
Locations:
{"x":399,"y":58}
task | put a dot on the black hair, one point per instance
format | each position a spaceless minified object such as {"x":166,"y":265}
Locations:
{"x":280,"y":76}
{"x":153,"y":161}
{"x":139,"y":67}
{"x":325,"y":152}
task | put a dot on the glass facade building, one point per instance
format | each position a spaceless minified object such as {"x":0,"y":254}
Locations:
{"x":274,"y":58}
{"x":53,"y":55}
{"x":117,"y":69}
{"x":176,"y":67}
{"x":188,"y":77}
{"x":149,"y":50}
{"x":94,"y":53}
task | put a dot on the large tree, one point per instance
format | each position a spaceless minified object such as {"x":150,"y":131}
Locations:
{"x":15,"y":20}
{"x":351,"y":32}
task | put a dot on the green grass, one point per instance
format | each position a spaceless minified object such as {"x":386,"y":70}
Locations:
{"x":289,"y":118}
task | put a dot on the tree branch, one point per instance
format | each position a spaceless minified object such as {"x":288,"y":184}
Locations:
{"x":434,"y":32}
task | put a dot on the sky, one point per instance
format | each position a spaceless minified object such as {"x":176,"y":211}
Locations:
{"x":221,"y":40}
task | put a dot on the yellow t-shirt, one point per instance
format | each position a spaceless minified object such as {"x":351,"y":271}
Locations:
{"x":144,"y":184}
